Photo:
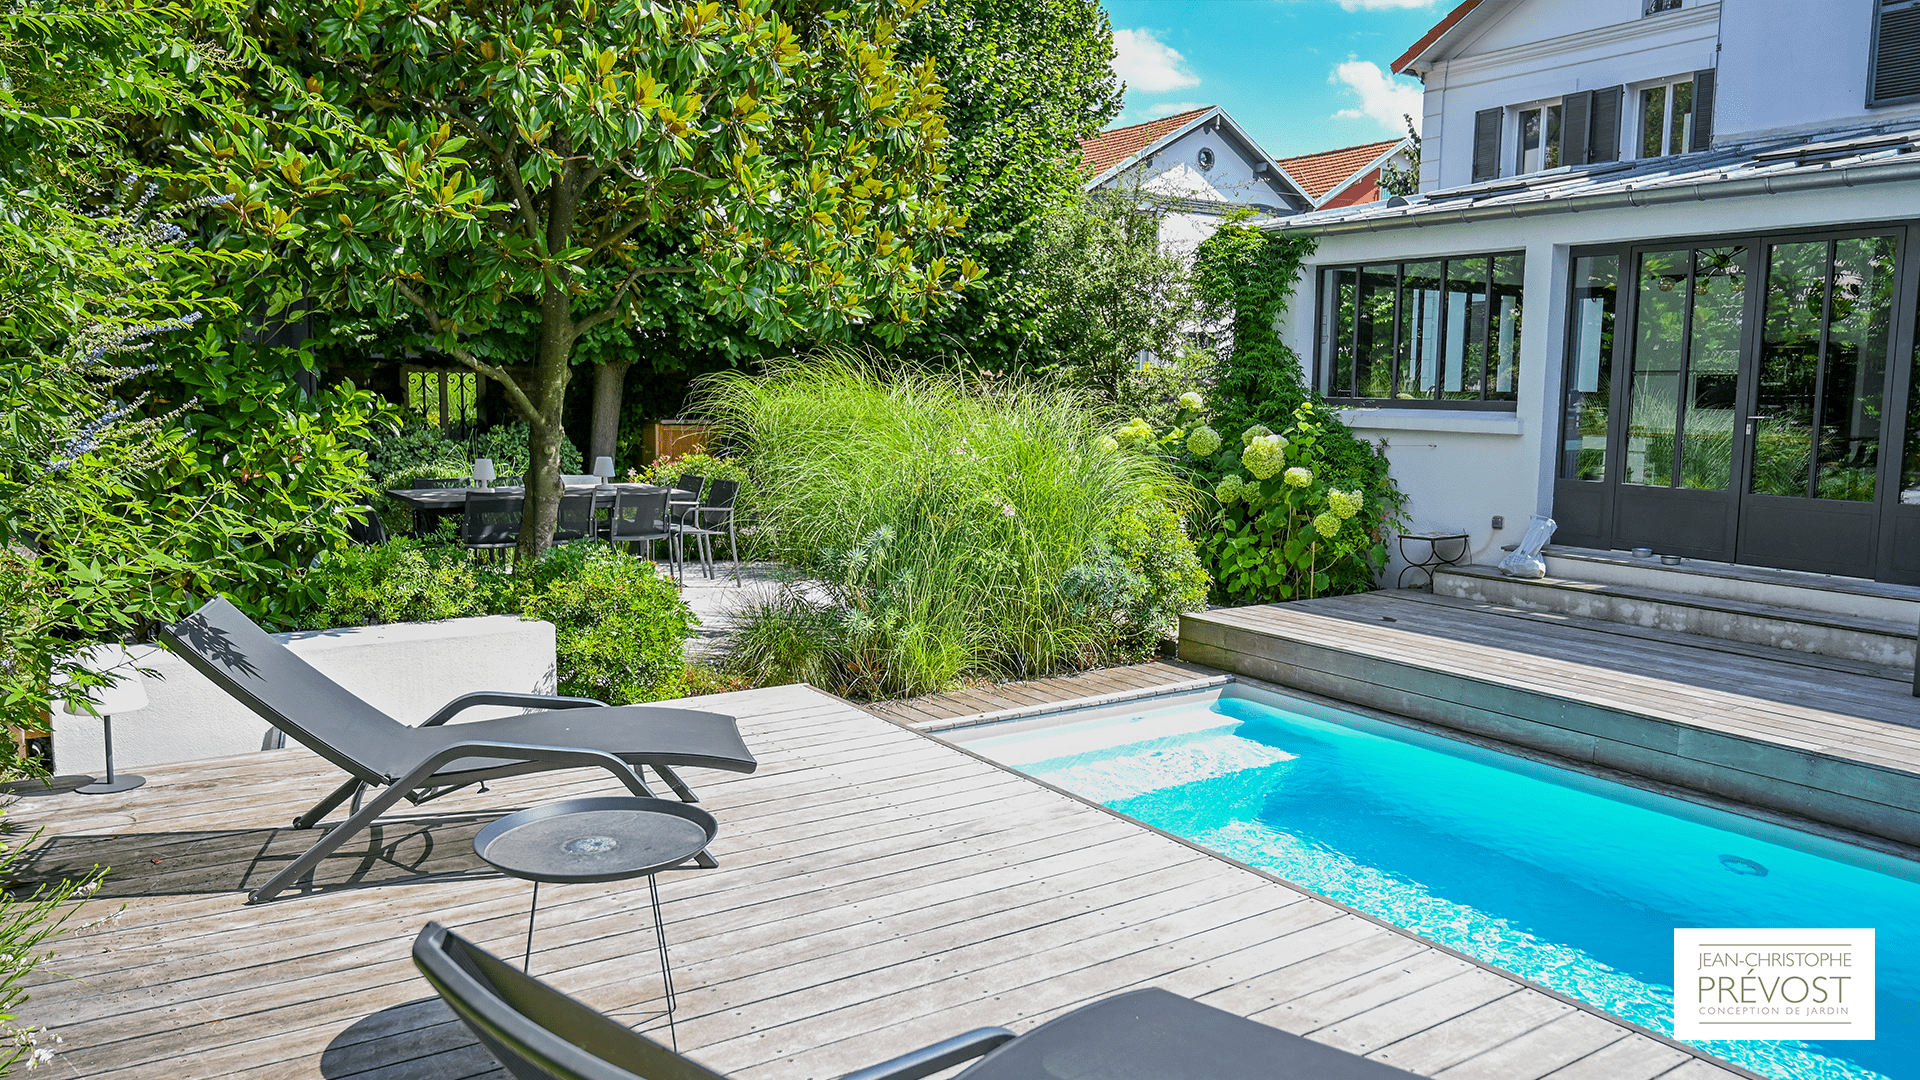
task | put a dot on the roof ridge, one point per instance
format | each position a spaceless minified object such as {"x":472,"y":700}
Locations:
{"x":1342,"y":149}
{"x":1149,"y":123}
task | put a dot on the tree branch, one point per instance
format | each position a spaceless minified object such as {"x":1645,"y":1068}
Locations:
{"x":498,"y":374}
{"x":613,"y":306}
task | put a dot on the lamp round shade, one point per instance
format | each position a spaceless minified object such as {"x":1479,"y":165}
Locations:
{"x":483,"y":469}
{"x":603,"y":466}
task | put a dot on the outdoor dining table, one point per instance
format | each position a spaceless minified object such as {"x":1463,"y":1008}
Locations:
{"x":438,"y":501}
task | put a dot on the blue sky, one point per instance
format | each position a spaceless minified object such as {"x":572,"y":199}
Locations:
{"x":1299,"y":75}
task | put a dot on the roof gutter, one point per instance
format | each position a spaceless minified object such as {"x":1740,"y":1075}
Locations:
{"x":1848,"y":176}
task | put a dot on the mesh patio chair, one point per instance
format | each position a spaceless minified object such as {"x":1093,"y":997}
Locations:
{"x":423,"y":763}
{"x":639,"y":517}
{"x":575,"y":520}
{"x":492,"y":522}
{"x":713,"y":518}
{"x":425,"y":521}
{"x":539,"y":1033}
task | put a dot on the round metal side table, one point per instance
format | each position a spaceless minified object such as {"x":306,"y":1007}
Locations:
{"x":604,"y":838}
{"x":1435,"y":558}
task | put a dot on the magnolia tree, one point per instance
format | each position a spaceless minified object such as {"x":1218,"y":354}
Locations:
{"x":517,"y":153}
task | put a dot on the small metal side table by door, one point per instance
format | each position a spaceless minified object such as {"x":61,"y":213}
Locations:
{"x":604,"y":838}
{"x":1435,"y":556}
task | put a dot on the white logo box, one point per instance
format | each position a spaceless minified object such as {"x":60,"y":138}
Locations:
{"x":1791,"y":983}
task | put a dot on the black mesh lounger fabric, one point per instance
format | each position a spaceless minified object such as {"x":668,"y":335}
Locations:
{"x":1155,"y":1035}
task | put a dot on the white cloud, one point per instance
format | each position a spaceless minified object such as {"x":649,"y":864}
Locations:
{"x":1169,"y":108}
{"x":1146,"y":65}
{"x":1382,"y":99}
{"x":1377,"y":5}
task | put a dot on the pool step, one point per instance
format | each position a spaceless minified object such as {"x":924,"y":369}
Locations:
{"x":1874,"y":627}
{"x":1832,"y":740}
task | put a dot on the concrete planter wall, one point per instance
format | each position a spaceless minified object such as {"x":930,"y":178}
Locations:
{"x":407,"y":670}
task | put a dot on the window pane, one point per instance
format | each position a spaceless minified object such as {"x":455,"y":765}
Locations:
{"x":1339,"y":352}
{"x":1659,"y":318}
{"x":1552,"y":154}
{"x":1529,"y":143}
{"x":1653,"y":118}
{"x":1509,"y":272}
{"x":1861,"y":315}
{"x":1789,"y":366}
{"x":1713,"y":367}
{"x":1681,"y":129}
{"x":1464,"y":352}
{"x":1419,"y":329}
{"x":1373,"y":347}
{"x":1596,"y":286}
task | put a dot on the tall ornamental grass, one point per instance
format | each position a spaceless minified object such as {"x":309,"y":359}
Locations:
{"x":947,"y":530}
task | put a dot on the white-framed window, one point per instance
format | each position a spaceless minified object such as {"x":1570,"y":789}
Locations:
{"x":1666,"y":118}
{"x":1536,"y":137}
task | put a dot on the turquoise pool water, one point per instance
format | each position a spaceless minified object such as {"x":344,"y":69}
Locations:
{"x":1570,"y":881}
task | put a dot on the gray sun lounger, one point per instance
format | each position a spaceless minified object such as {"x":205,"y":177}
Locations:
{"x":539,"y":1033}
{"x":423,"y":763}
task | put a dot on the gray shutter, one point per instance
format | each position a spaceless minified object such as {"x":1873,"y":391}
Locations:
{"x":1702,"y":110}
{"x":1896,"y":53}
{"x":1603,"y":124}
{"x":1486,"y":144}
{"x":1574,"y":109}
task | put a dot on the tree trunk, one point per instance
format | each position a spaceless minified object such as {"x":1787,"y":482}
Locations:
{"x":544,"y":435}
{"x":609,"y":381}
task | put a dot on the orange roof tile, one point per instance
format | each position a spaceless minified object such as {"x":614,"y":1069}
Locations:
{"x":1322,"y":172}
{"x":1113,"y":146}
{"x":1433,"y":35}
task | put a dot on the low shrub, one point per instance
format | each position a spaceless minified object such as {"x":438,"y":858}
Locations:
{"x":621,"y":629}
{"x":948,"y":530}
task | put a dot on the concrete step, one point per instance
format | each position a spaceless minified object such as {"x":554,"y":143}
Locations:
{"x":1866,"y":638}
{"x":1730,"y":581}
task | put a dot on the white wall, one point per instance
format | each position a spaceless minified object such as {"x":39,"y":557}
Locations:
{"x":406,"y":670}
{"x":1782,"y":66}
{"x":1461,"y":468}
{"x":1174,"y":171}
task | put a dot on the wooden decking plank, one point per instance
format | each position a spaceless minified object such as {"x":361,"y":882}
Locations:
{"x":1632,"y":1058}
{"x":1569,"y":1038}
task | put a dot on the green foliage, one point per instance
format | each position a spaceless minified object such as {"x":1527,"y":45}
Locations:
{"x":1259,"y":541}
{"x":622,"y":628}
{"x":668,"y":470}
{"x":952,"y":530}
{"x":1395,"y":180}
{"x":413,"y":449}
{"x":28,"y":920}
{"x":403,"y":580}
{"x":544,"y":159}
{"x":1026,"y":81}
{"x":1109,"y":291}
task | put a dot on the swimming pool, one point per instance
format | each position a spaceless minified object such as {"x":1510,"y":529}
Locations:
{"x":1573,"y":882}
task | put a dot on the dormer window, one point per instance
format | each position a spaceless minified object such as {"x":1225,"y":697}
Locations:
{"x":1655,"y":7}
{"x":1539,"y":139}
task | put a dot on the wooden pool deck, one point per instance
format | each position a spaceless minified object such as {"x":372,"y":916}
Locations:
{"x":1835,"y":741}
{"x":878,"y":890}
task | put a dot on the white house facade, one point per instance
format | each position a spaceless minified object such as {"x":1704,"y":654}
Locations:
{"x":1659,"y":283}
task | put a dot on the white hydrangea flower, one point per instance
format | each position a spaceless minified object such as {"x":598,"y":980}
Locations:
{"x":1265,"y":456}
{"x":1192,"y":401}
{"x":1299,"y":476}
{"x":1345,"y":503}
{"x":1203,"y":442}
{"x":1230,"y":490}
{"x":1257,"y":431}
{"x":1328,"y":524}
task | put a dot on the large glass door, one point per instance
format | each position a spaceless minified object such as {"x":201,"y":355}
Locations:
{"x":1813,"y":432}
{"x":1676,"y":492}
{"x":1749,"y":405}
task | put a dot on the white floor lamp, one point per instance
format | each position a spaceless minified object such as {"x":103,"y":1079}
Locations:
{"x":128,"y":692}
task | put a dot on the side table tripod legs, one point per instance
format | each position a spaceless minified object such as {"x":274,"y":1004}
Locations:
{"x":659,"y":936}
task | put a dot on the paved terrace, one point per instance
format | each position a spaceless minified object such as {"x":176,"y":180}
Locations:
{"x":878,"y":890}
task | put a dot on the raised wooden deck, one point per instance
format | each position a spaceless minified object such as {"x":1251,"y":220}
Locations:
{"x":878,"y":890}
{"x":1005,"y":700}
{"x":1833,"y":740}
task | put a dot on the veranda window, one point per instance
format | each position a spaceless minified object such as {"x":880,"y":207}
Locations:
{"x":1431,"y":333}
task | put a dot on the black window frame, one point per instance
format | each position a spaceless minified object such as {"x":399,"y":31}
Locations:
{"x":1324,"y":348}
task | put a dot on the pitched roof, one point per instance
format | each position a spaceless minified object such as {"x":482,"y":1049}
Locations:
{"x":1434,"y":35}
{"x":1111,"y":147}
{"x":1321,"y":173}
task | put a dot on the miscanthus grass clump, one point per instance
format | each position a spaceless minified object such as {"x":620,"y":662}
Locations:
{"x":941,"y":530}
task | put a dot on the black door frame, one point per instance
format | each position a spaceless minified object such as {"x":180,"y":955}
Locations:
{"x":1615,"y":510}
